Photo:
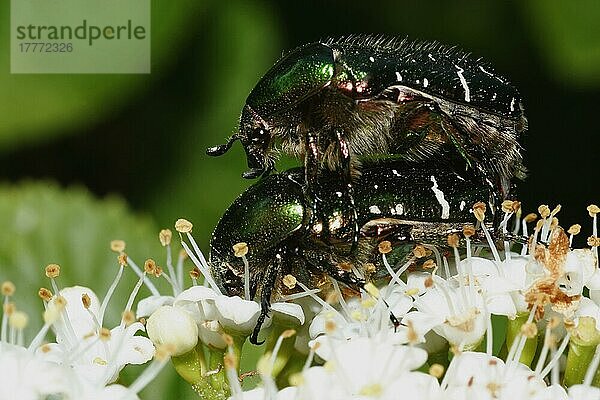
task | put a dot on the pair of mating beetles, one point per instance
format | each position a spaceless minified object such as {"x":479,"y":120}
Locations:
{"x":398,"y":139}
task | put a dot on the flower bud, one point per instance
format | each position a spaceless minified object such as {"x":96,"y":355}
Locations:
{"x":174,"y":326}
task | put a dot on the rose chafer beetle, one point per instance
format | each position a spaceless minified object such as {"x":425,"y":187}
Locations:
{"x":334,"y":100}
{"x":404,"y":203}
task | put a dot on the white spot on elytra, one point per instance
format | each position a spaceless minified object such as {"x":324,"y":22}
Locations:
{"x":430,"y":57}
{"x":399,"y":209}
{"x":463,"y":82}
{"x":395,"y":172}
{"x":339,"y":194}
{"x":425,"y":82}
{"x":439,"y":195}
{"x":494,"y":96}
{"x":398,"y":76}
{"x":462,"y":205}
{"x":512,"y":104}
{"x":374,"y":210}
{"x":371,"y":59}
{"x":485,"y":72}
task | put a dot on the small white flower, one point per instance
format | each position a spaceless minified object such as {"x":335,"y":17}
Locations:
{"x":78,"y":345}
{"x":457,"y":314}
{"x":578,"y":270}
{"x":26,"y":376}
{"x":481,"y":376}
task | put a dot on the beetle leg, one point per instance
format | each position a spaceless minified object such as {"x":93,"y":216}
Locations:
{"x":312,"y":165}
{"x":265,"y":296}
{"x":347,"y":171}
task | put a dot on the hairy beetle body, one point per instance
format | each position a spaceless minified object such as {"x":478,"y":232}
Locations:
{"x":331,"y":101}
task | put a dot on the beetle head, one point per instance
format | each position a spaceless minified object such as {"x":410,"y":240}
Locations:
{"x":255,"y":136}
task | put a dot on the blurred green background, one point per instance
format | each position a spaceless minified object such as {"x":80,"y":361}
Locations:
{"x":133,"y":145}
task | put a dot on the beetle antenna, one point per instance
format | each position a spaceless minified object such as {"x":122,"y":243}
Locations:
{"x":222,"y":148}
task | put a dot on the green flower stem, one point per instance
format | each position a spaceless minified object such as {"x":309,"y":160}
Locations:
{"x":285,"y":351}
{"x":216,"y":373}
{"x":582,"y":347}
{"x":191,"y":366}
{"x":206,"y":391}
{"x":513,"y":331}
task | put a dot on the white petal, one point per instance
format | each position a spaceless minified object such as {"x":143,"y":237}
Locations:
{"x":288,"y":313}
{"x":211,"y":334}
{"x":237,"y":315}
{"x":150,"y":304}
{"x":199,"y":301}
{"x":79,"y":318}
{"x":501,"y":304}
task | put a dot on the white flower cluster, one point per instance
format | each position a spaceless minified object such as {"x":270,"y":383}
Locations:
{"x":426,"y":334}
{"x":85,"y":359}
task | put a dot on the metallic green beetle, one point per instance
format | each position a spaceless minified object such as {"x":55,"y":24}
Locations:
{"x":335,"y":100}
{"x":404,"y":203}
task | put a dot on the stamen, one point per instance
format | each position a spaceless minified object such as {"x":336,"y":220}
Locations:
{"x":180,"y":259}
{"x":556,"y":356}
{"x":522,"y":339}
{"x":164,"y":237}
{"x":240,"y":250}
{"x":151,"y":372}
{"x":300,"y":295}
{"x":52,"y":272}
{"x":109,"y":294}
{"x":338,"y":292}
{"x":147,"y":282}
{"x":573,"y":230}
{"x":491,"y":243}
{"x":284,"y":335}
{"x":548,"y":341}
{"x":231,"y":371}
{"x":203,"y":269}
{"x":395,"y":278}
{"x":438,"y":257}
{"x":317,"y":298}
{"x":311,"y":356}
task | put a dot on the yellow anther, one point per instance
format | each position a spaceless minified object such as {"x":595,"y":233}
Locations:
{"x":436,"y":370}
{"x":164,"y":236}
{"x":183,"y":225}
{"x":117,"y":246}
{"x":385,"y":247}
{"x":52,"y":270}
{"x":574,"y":229}
{"x":479,"y":210}
{"x":86,"y":301}
{"x":544,"y":211}
{"x":8,"y":288}
{"x":289,"y":281}
{"x":240,"y":249}
{"x":593,"y":210}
